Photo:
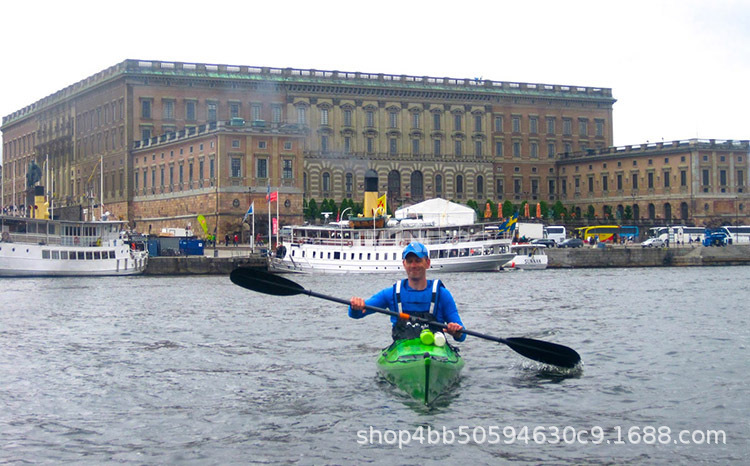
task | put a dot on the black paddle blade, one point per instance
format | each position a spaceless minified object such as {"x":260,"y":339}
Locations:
{"x":544,"y":351}
{"x":264,"y":282}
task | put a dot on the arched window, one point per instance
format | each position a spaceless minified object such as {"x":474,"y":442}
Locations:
{"x":668,"y":212}
{"x":349,"y":185}
{"x":459,"y":186}
{"x":417,"y":191}
{"x":438,"y":185}
{"x":394,"y":187}
{"x":326,"y":183}
{"x":651,"y":211}
{"x":684,"y":210}
{"x":480,"y":187}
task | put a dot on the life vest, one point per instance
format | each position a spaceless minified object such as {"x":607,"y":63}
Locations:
{"x":404,"y":329}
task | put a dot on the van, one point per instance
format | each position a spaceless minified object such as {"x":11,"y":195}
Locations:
{"x":556,"y":233}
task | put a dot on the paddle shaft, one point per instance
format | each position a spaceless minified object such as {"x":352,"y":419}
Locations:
{"x":541,"y":351}
{"x":403,"y":315}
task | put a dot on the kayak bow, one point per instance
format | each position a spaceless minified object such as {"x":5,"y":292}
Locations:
{"x":422,"y":371}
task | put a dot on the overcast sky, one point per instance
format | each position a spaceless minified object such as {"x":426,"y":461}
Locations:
{"x":678,"y":69}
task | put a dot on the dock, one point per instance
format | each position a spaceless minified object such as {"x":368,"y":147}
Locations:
{"x":637,"y":256}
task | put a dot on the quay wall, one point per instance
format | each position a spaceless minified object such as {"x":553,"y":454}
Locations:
{"x":201,"y":265}
{"x":636,"y":256}
{"x":609,"y":256}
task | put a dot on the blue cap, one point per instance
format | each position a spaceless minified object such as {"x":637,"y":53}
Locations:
{"x":419,"y":249}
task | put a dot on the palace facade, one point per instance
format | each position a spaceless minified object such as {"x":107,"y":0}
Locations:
{"x":162,"y":142}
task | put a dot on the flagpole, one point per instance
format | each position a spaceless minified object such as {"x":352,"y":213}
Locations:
{"x":268,"y":199}
{"x":101,"y":187}
{"x":278,"y":227}
{"x":252,"y":240}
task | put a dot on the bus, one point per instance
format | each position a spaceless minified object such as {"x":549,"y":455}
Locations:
{"x":609,"y":233}
{"x":556,"y":233}
{"x":739,"y":234}
{"x":678,"y":234}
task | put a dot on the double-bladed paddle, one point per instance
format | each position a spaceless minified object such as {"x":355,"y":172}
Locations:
{"x":542,"y":351}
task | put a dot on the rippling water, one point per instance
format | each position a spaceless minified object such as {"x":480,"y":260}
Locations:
{"x":195,"y":370}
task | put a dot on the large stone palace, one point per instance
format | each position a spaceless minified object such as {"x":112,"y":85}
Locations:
{"x":159,"y":143}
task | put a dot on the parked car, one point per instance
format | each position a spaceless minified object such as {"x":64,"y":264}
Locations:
{"x":572,"y":243}
{"x":546,"y":242}
{"x":654,"y":243}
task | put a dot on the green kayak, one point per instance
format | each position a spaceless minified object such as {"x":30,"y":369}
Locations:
{"x":422,"y":371}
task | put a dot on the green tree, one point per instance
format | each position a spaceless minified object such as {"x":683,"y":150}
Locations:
{"x":313,"y":211}
{"x":559,"y":210}
{"x":544,"y":207}
{"x":473,"y":204}
{"x":628,"y":213}
{"x":508,"y":208}
{"x":590,"y":212}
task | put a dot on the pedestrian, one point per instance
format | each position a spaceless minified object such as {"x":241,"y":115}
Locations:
{"x":226,"y":239}
{"x":414,"y":295}
{"x":236,"y":239}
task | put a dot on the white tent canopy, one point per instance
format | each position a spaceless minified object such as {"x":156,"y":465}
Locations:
{"x":439,"y":212}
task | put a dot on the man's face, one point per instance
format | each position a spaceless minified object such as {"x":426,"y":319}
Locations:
{"x":416,"y":267}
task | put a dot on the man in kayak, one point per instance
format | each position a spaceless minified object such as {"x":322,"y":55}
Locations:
{"x":414,"y":295}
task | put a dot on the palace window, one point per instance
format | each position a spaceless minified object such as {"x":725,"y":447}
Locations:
{"x":498,"y":123}
{"x":287,"y":172}
{"x":261,"y":168}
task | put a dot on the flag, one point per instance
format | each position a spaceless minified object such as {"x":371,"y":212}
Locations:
{"x":380,"y":207}
{"x":249,"y":211}
{"x":512,"y":222}
{"x":272,"y":196}
{"x":275,"y":226}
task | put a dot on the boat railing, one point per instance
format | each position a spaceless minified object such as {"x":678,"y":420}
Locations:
{"x":448,"y":237}
{"x":42,"y":239}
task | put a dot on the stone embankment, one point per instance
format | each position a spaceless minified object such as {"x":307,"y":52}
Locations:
{"x":223,"y":261}
{"x":636,"y":256}
{"x":215,"y":262}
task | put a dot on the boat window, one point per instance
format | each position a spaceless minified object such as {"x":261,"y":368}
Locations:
{"x":337,"y":255}
{"x":368,"y":256}
{"x":454,"y":253}
{"x":72,"y":255}
{"x":111,"y":254}
{"x":45,"y":254}
{"x":89,"y":255}
{"x":360,"y":256}
{"x":81,"y":255}
{"x":56,"y":254}
{"x":97,"y":255}
{"x":51,"y":228}
{"x":433,"y":254}
{"x":64,"y":255}
{"x":313,"y":254}
{"x":377,"y":256}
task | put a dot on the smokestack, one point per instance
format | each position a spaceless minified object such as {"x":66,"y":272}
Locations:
{"x":371,"y":193}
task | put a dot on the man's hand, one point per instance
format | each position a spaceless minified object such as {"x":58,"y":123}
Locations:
{"x":454,"y":329}
{"x":358,"y":304}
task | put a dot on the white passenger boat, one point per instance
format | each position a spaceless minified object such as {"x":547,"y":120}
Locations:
{"x":527,"y":257}
{"x":37,"y":247}
{"x":339,"y":248}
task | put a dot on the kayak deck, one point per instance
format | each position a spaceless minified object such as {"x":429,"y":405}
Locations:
{"x":422,"y":371}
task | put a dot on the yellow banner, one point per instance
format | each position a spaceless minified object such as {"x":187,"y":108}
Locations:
{"x":380,"y":208}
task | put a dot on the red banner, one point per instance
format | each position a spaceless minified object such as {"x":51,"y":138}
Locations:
{"x":275,"y":227}
{"x":273,"y":197}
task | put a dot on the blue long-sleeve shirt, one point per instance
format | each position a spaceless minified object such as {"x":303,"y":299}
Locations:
{"x":414,"y":301}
